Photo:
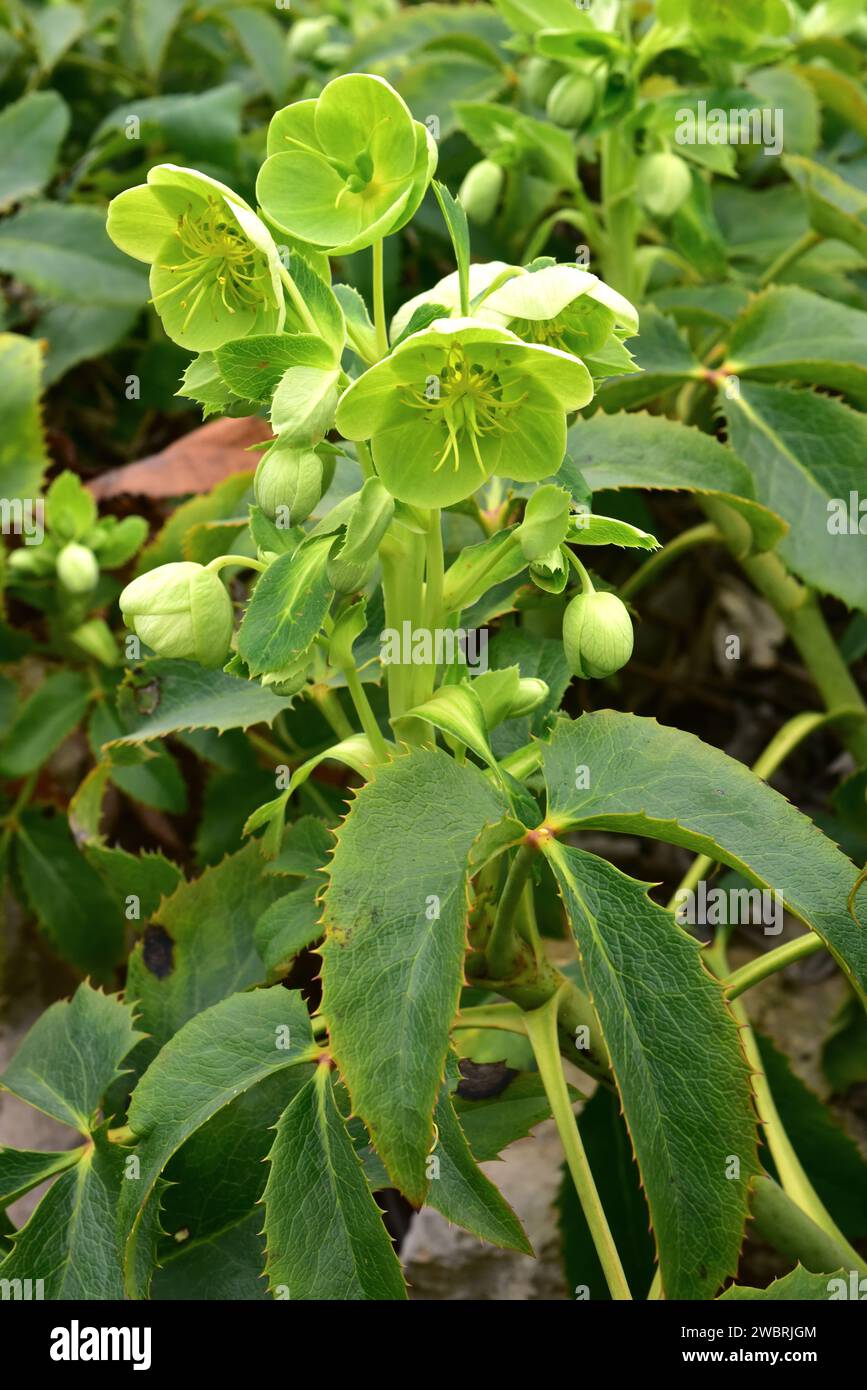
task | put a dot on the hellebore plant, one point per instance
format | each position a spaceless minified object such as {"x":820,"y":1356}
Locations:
{"x":419,"y":483}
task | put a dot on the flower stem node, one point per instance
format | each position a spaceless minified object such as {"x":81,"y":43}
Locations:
{"x":597,"y":635}
{"x":181,"y":610}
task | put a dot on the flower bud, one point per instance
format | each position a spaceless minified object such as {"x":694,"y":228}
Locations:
{"x":480,"y":191}
{"x":597,"y":635}
{"x":77,"y":568}
{"x":306,"y":36}
{"x":180,"y":610}
{"x":664,"y":183}
{"x":571,"y":100}
{"x":540,"y":76}
{"x":288,"y":477}
{"x":531,"y":693}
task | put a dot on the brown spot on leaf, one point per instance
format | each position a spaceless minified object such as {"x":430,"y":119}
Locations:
{"x":482,"y":1080}
{"x":158,"y":951}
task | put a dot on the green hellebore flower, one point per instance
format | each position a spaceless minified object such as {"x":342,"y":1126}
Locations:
{"x":460,"y":401}
{"x":77,"y":568}
{"x":215,"y":269}
{"x":561,"y":306}
{"x":347,"y":168}
{"x":597,"y":635}
{"x":181,"y":610}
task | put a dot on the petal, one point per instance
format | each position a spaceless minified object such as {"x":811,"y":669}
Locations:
{"x":407,"y":456}
{"x":360,"y":113}
{"x":624,"y":313}
{"x":534,"y":445}
{"x":294,"y":128}
{"x":564,"y":376}
{"x":175,"y":177}
{"x":447,"y":292}
{"x":371,"y":403}
{"x":139,"y":223}
{"x":541,"y":294}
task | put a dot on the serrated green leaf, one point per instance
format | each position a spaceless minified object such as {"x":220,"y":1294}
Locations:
{"x":263,"y":40}
{"x":254,"y":367}
{"x":325,"y":1236}
{"x":72,"y":904}
{"x":480,"y":567}
{"x":220,"y":1053}
{"x":173,"y":695}
{"x":287,"y":609}
{"x":646,"y":779}
{"x":153,"y":23}
{"x":31,"y":133}
{"x":287,"y":926}
{"x":217,"y":1177}
{"x":490,"y":1125}
{"x":307,"y":844}
{"x":204,"y":936}
{"x":679,"y":1067}
{"x":457,"y":711}
{"x":69,"y":1242}
{"x":71,"y":1056}
{"x":648,"y":451}
{"x":224,"y":1267}
{"x":42,"y":723}
{"x":395,"y":940}
{"x":22,"y":1170}
{"x":225,"y":502}
{"x":836,"y":207}
{"x":23,"y":456}
{"x":664,"y":360}
{"x":807,"y":451}
{"x":798,"y":1286}
{"x":461,"y":1192}
{"x":588,"y":529}
{"x":790,"y":334}
{"x":63,"y":250}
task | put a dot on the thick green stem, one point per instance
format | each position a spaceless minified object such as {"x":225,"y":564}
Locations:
{"x":365,"y":714}
{"x":542,"y":1031}
{"x":790,"y":1231}
{"x":800,"y":612}
{"x":660,"y":561}
{"x":329,"y":705}
{"x":298,"y":302}
{"x":788,"y":257}
{"x":759,"y":969}
{"x":621,"y":217}
{"x":502,"y":951}
{"x":379,"y":300}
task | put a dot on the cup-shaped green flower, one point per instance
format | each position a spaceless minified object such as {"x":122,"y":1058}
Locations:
{"x":460,"y":401}
{"x":180,"y":610}
{"x":597,"y":634}
{"x":347,"y":168}
{"x":215,"y":269}
{"x":562,"y":306}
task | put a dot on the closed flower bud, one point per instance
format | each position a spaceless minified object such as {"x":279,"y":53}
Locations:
{"x":180,"y":610}
{"x":664,"y":183}
{"x":77,"y":568}
{"x":531,"y":693}
{"x":571,"y":100}
{"x":540,"y":76}
{"x":597,"y":635}
{"x":480,"y":191}
{"x":291,"y":478}
{"x":307,"y":35}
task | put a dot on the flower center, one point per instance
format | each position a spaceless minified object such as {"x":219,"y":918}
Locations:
{"x":550,"y":332}
{"x":467,"y":399}
{"x":218,"y":260}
